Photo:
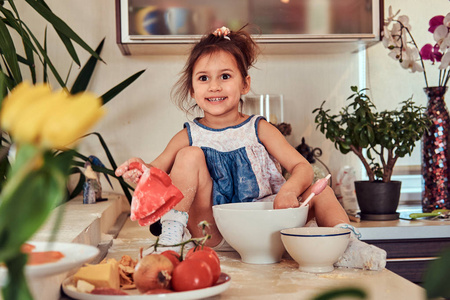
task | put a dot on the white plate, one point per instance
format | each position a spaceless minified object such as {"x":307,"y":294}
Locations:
{"x":222,"y":285}
{"x":75,"y":255}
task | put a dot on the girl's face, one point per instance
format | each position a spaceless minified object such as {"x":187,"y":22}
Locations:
{"x":218,"y":84}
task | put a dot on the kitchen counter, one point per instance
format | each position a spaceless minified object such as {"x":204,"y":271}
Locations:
{"x":403,"y":229}
{"x":100,"y":224}
{"x":282,"y":280}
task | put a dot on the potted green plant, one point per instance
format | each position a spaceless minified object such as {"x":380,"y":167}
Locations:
{"x":378,"y":139}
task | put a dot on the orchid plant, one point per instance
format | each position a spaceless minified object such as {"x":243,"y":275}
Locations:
{"x":398,"y":39}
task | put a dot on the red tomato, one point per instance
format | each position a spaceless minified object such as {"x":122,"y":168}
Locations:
{"x":173,"y":256}
{"x":211,"y":259}
{"x":191,"y":274}
{"x":197,"y":248}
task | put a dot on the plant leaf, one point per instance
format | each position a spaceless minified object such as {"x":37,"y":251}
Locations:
{"x":83,"y":78}
{"x":46,"y":58}
{"x":120,"y":87}
{"x":436,"y":276}
{"x":60,"y":26}
{"x":79,"y":187}
{"x":44,"y":63}
{"x":125,"y":187}
{"x":8,"y":50}
{"x":11,"y":21}
{"x":355,"y":293}
{"x":5,"y":84}
{"x":66,"y":41}
{"x":17,"y":289}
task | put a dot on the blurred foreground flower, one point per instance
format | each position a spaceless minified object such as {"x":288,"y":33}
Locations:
{"x":39,"y":121}
{"x":36,"y":115}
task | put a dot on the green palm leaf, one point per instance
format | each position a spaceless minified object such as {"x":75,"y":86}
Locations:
{"x":66,"y":41}
{"x":61,"y":27}
{"x":120,"y":87}
{"x":83,"y":78}
{"x":79,"y":186}
{"x":8,"y":51}
{"x":29,"y":49}
{"x":124,"y":186}
{"x":46,"y":58}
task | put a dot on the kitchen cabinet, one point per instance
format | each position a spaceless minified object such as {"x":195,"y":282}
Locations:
{"x":279,"y":26}
{"x":409,"y":258}
{"x":410,"y":244}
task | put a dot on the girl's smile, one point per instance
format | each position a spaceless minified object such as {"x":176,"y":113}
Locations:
{"x":216,"y":99}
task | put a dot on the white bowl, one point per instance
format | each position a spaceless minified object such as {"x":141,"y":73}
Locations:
{"x":315,"y":249}
{"x":253,"y":228}
{"x":44,"y":280}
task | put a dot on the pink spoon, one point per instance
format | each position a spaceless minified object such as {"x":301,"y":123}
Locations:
{"x":317,"y":188}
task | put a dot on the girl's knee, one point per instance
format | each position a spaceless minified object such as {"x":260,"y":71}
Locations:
{"x":326,"y":196}
{"x":190,"y":156}
{"x":191,"y":152}
{"x":329,"y":193}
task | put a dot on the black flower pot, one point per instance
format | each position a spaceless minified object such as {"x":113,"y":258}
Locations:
{"x":378,"y":200}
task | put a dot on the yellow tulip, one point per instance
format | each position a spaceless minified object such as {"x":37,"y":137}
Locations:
{"x":34,"y":114}
{"x":72,"y":120}
{"x":21,"y":96}
{"x":28,"y":124}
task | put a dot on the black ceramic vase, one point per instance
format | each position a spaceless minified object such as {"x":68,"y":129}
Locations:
{"x":377,"y":200}
{"x":435,"y":153}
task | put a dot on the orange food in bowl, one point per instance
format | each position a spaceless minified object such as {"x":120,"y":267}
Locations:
{"x":27,"y":248}
{"x":44,"y":257}
{"x":40,"y":257}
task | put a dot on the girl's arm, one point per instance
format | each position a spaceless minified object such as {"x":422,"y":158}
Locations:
{"x":302,"y":174}
{"x":164,"y":161}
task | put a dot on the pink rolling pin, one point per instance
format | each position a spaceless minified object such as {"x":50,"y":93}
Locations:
{"x":317,"y":188}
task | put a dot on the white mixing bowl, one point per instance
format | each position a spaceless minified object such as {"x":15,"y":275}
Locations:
{"x":315,"y":249}
{"x":253,"y":228}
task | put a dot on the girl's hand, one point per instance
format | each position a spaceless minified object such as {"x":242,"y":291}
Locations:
{"x":285,"y":200}
{"x":130,"y":175}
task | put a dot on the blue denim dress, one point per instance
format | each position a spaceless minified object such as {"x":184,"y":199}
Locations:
{"x":240,"y":166}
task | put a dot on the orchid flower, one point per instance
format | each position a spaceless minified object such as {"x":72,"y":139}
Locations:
{"x":445,"y":62}
{"x":435,"y":22}
{"x":410,"y":59}
{"x":391,"y":16}
{"x":440,"y":27}
{"x":398,"y":39}
{"x":431,"y":53}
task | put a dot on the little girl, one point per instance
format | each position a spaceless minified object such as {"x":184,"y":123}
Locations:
{"x":227,"y":156}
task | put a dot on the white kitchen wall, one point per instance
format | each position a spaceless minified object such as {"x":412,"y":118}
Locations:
{"x":142,"y":119}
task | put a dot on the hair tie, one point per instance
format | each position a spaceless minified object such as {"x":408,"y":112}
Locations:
{"x":222,"y":31}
